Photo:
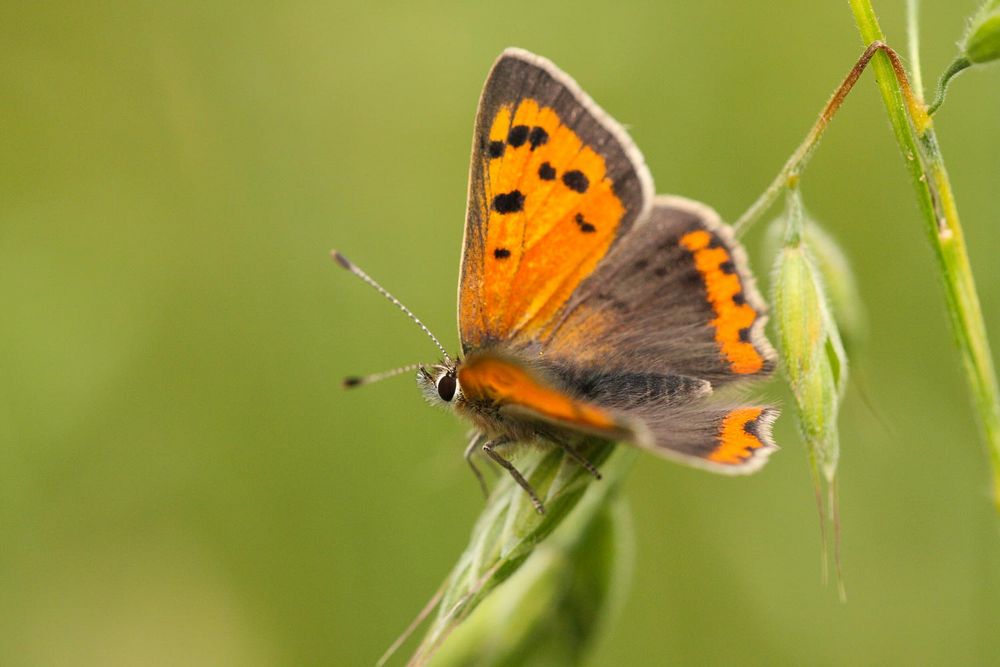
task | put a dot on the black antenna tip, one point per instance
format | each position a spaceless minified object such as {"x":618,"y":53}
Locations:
{"x":340,"y":259}
{"x":352,"y":381}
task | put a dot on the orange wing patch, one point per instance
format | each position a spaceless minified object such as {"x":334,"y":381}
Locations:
{"x":738,"y":440}
{"x":732,"y":320}
{"x":497,"y":381}
{"x":551,"y":215}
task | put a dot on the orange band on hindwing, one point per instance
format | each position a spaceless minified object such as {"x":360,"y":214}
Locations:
{"x":733,"y":316}
{"x":736,"y":442}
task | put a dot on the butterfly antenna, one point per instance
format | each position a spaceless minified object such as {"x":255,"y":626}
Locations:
{"x":360,"y":380}
{"x":353,"y":268}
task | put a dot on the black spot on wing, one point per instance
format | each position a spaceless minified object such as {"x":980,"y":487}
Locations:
{"x":585,"y":226}
{"x":670,"y":243}
{"x":537,"y":137}
{"x":692,"y":278}
{"x":576,"y":180}
{"x":501,"y":253}
{"x":513,"y":79}
{"x":546,"y":172}
{"x":517,"y":135}
{"x":496,"y":149}
{"x":509,"y":202}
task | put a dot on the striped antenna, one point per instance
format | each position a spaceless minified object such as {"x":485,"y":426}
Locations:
{"x":353,"y":268}
{"x":361,"y":380}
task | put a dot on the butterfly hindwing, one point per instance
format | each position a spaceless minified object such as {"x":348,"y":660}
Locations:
{"x":554,"y":182}
{"x":675,"y":296}
{"x":673,"y":416}
{"x":731,"y":440}
{"x":657,"y":413}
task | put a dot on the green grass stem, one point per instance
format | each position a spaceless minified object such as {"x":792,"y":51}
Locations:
{"x":922,"y":156}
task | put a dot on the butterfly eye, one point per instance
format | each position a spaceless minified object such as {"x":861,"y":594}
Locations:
{"x":446,"y":387}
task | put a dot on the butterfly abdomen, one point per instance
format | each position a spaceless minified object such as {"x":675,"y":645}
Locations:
{"x":620,"y":389}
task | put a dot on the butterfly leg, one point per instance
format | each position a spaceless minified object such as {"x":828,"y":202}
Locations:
{"x":509,"y":467}
{"x":475,"y":442}
{"x":572,"y":452}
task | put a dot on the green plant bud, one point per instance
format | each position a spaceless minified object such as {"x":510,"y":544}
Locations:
{"x":813,"y":355}
{"x":808,"y":338}
{"x":981,"y":43}
{"x":837,"y":275}
{"x":841,"y":286}
{"x":817,"y":399}
{"x":814,"y":358}
{"x":798,"y":312}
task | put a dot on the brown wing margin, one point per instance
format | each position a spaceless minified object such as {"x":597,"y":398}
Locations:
{"x":554,"y":182}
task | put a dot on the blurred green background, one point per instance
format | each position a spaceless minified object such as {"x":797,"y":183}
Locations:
{"x":182,"y":480}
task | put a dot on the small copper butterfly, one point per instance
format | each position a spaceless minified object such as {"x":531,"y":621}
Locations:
{"x":587,"y":305}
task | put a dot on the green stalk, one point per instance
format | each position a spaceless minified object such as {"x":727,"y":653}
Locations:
{"x":958,"y":65}
{"x":913,"y":45}
{"x":506,"y":537}
{"x":797,"y":162}
{"x":553,"y":608}
{"x":918,"y":143}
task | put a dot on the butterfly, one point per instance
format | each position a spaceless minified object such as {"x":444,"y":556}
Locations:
{"x":587,"y":305}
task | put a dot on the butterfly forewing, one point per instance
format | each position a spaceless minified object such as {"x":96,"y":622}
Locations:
{"x":554,"y":182}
